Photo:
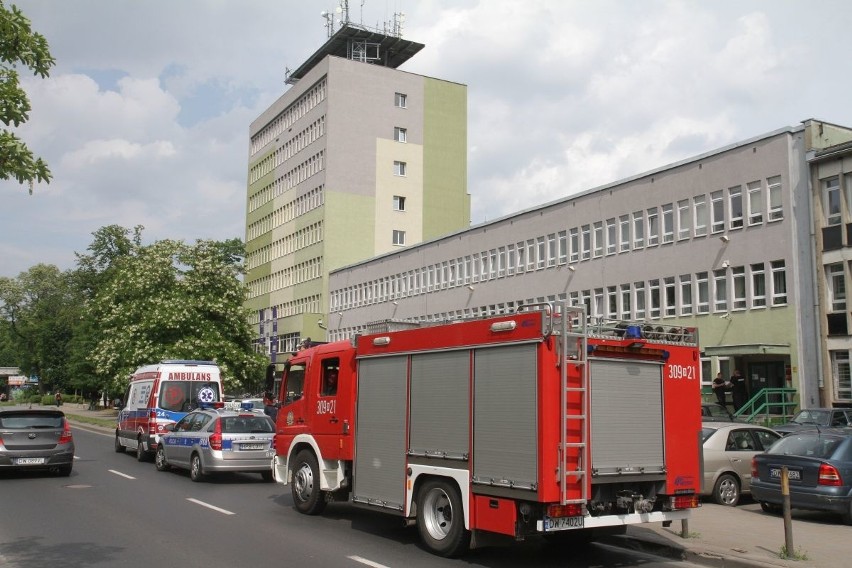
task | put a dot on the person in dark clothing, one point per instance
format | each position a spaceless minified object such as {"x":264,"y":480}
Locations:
{"x":720,"y":387}
{"x":738,"y":388}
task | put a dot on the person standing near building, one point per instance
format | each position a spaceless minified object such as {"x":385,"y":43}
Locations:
{"x":738,"y":388}
{"x":720,"y":387}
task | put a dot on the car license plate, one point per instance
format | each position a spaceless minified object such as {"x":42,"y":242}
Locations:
{"x":252,"y":446}
{"x":775,"y":473}
{"x":562,"y":523}
{"x":29,"y":461}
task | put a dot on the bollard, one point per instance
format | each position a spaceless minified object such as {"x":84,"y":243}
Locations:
{"x":684,"y":528}
{"x":788,"y":518}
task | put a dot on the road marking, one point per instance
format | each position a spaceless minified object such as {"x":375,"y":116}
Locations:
{"x":121,"y":474}
{"x":209,"y":506}
{"x":367,"y":562}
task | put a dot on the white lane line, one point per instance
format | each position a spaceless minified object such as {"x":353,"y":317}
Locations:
{"x":121,"y":474}
{"x":209,"y":506}
{"x":367,"y":562}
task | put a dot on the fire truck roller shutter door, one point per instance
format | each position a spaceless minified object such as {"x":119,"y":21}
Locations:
{"x":440,"y":405}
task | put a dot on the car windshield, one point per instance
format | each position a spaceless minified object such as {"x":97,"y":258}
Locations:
{"x":23,"y":421}
{"x":247,"y":425}
{"x":183,"y":396}
{"x":810,"y":445}
{"x":715,"y":410}
{"x":818,"y":417}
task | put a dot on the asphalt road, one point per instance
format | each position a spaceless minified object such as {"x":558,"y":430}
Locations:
{"x":115,"y":511}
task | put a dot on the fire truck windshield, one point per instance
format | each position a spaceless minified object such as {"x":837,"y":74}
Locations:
{"x":294,"y":383}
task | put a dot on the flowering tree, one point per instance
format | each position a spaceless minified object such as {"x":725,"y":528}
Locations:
{"x":171,"y":300}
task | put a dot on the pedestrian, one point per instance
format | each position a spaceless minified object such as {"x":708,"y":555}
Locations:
{"x":58,"y":398}
{"x":720,"y":387}
{"x":738,"y":388}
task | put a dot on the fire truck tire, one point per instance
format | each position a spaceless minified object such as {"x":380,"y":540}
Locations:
{"x":196,"y":470}
{"x":119,"y":449}
{"x":160,"y":460}
{"x":727,"y":490}
{"x":307,"y":496}
{"x":440,"y":519}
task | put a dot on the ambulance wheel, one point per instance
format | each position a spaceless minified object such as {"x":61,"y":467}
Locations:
{"x":727,"y":490}
{"x":160,"y":460}
{"x":307,"y":496}
{"x":119,"y":449}
{"x":141,"y":454}
{"x":196,"y":471}
{"x":440,"y":519}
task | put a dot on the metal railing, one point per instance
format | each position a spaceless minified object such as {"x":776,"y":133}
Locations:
{"x":770,"y":406}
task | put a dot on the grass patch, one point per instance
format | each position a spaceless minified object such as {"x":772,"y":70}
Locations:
{"x":797,"y":554}
{"x":105,"y":422}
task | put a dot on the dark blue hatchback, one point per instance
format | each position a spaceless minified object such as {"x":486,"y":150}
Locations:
{"x":819,"y":469}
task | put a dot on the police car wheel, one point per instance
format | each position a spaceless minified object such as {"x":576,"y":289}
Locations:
{"x":160,"y":460}
{"x":196,"y":471}
{"x":440,"y":519}
{"x":307,"y":496}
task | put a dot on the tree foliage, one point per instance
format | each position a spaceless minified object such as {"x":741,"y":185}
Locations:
{"x":19,"y":46}
{"x":170,"y":300}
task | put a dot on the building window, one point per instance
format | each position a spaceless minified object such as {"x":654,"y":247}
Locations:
{"x":779,"y":283}
{"x":640,"y":300}
{"x":735,"y":206}
{"x":700,"y":215}
{"x":717,"y":208}
{"x":668,"y":223}
{"x":703,"y":305}
{"x":755,"y":203}
{"x":654,"y":293}
{"x":400,"y":134}
{"x":398,"y":237}
{"x":638,"y":230}
{"x":587,"y":242}
{"x":685,"y":294}
{"x":530,"y":255}
{"x":653,"y":227}
{"x":624,"y":233}
{"x":398,"y":203}
{"x":399,"y":168}
{"x":683,"y":224}
{"x":831,"y":200}
{"x":670,"y":296}
{"x":574,"y":242}
{"x":836,"y":283}
{"x":840,"y":369}
{"x":551,"y":250}
{"x":612,"y":302}
{"x":758,"y":286}
{"x":720,"y":288}
{"x":541,"y":253}
{"x":776,"y":211}
{"x":400,"y":100}
{"x":611,"y":242}
{"x":563,"y":247}
{"x":598,"y":239}
{"x":739,"y":281}
{"x":625,"y":301}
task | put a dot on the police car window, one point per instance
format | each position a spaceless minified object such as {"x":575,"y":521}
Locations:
{"x":198,"y":422}
{"x":183,"y":423}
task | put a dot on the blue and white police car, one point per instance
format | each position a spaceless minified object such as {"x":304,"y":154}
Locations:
{"x":215,"y":439}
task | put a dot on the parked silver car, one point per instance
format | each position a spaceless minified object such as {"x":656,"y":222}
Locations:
{"x":218,"y":440}
{"x":36,"y":439}
{"x":728,"y":449}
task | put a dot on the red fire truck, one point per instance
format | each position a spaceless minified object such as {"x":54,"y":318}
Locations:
{"x":531,"y":423}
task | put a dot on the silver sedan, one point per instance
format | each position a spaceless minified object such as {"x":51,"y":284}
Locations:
{"x":218,"y":440}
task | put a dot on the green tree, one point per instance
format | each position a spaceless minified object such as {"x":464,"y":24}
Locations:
{"x":19,"y":46}
{"x":171,"y":300}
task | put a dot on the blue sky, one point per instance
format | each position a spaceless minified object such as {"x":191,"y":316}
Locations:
{"x":144,"y":120}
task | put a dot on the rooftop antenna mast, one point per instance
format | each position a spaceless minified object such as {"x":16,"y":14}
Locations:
{"x":342,"y":12}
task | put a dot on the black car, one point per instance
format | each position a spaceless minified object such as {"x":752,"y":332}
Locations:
{"x":819,"y":469}
{"x":714,"y":412}
{"x":36,"y":439}
{"x":822,"y":417}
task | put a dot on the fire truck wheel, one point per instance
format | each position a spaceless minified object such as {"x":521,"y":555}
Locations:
{"x":440,"y":519}
{"x":307,"y":496}
{"x":196,"y":471}
{"x":727,"y":490}
{"x":160,"y":460}
{"x":119,"y":449}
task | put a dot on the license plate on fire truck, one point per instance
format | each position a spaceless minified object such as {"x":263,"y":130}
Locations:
{"x":562,"y":523}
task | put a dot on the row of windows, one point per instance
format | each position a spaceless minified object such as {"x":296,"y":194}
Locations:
{"x":720,"y":291}
{"x":288,"y":244}
{"x":287,"y":212}
{"x":311,"y":98}
{"x":302,"y":272}
{"x":290,"y":179}
{"x":834,"y":206}
{"x":311,"y":133}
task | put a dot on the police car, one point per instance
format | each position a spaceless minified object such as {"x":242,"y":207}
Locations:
{"x":215,"y":439}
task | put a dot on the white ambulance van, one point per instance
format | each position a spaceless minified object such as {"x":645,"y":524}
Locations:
{"x":162,"y":394}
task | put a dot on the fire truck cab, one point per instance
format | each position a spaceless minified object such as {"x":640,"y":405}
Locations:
{"x":531,"y":423}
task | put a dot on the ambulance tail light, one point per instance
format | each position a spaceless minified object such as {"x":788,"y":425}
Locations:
{"x":216,"y":436}
{"x":152,"y":422}
{"x":65,"y":437}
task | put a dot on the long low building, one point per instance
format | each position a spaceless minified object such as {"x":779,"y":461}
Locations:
{"x":723,"y":242}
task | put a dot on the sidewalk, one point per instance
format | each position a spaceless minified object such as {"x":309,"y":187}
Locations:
{"x":719,"y":536}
